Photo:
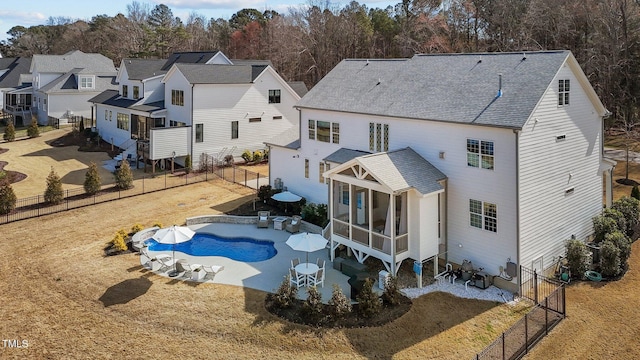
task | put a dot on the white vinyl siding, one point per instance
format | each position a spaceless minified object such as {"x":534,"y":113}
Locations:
{"x":549,"y":215}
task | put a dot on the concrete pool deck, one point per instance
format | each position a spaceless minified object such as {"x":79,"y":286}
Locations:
{"x":262,"y":275}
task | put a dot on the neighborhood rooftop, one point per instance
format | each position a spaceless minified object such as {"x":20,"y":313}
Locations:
{"x":220,"y":74}
{"x":74,"y":59}
{"x":140,"y":69}
{"x":15,"y":68}
{"x":461,"y":88}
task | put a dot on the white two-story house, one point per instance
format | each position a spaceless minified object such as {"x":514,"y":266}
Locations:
{"x":62,"y":84}
{"x":494,"y":158}
{"x":15,"y":86}
{"x":195,"y":104}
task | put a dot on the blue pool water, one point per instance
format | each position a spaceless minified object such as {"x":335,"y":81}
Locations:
{"x":240,"y":249}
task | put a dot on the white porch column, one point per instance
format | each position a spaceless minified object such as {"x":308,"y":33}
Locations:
{"x":330,"y":212}
{"x":393,"y":234}
{"x":608,"y":180}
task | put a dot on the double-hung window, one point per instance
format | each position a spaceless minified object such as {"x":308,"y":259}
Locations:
{"x":483,"y":215}
{"x":306,"y":168}
{"x":480,"y":153}
{"x":563,"y":92}
{"x":234,"y":129}
{"x":123,"y":121}
{"x":125,"y":91}
{"x":324,"y":131}
{"x":177,"y":97}
{"x":86,"y":82}
{"x":274,"y":96}
{"x":136,"y":92}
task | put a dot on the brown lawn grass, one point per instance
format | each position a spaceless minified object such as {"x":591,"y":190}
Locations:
{"x":60,"y":293}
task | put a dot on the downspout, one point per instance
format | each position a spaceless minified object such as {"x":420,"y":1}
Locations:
{"x":517,"y":135}
{"x":192,"y":126}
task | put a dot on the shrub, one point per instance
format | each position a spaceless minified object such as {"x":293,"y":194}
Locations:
{"x":247,"y":156}
{"x":136,"y":228}
{"x":368,"y":301}
{"x":312,"y":307}
{"x":228,"y":160}
{"x":53,"y":193}
{"x":187,"y":164}
{"x":315,"y":214}
{"x":340,"y":304}
{"x":122,"y":233}
{"x":9,"y":132}
{"x":92,"y":181}
{"x":257,"y":156}
{"x":609,"y":259}
{"x":635,"y":192}
{"x":118,"y":242}
{"x":157,"y":224}
{"x":124,"y":177}
{"x":603,"y":225}
{"x":622,"y":242}
{"x":577,"y":257}
{"x":265,"y":154}
{"x":265,"y":192}
{"x":286,"y":294}
{"x":33,"y":131}
{"x":629,"y":208}
{"x":391,"y":294}
{"x":7,"y":197}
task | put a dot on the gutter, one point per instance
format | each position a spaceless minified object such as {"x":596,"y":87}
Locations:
{"x":517,"y":136}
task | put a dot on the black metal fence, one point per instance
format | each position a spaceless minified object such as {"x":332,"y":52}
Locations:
{"x":536,"y":324}
{"x":35,"y":206}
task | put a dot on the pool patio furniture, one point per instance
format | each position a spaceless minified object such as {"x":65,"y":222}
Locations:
{"x":211,"y":269}
{"x":317,"y":278}
{"x":305,"y":270}
{"x":188,"y":268}
{"x":279,"y":223}
{"x":263,"y":219}
{"x":296,"y":278}
{"x":295,"y":262}
{"x":320,"y":263}
{"x":294,"y":225}
{"x":165,"y":261}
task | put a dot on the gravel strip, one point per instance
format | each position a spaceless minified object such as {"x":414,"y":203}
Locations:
{"x":491,"y":293}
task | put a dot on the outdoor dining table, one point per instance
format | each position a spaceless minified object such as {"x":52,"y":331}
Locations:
{"x":306,"y":269}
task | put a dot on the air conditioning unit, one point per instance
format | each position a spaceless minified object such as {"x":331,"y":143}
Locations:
{"x":277,"y":183}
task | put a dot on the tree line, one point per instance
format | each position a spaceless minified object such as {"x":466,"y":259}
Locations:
{"x":306,"y":42}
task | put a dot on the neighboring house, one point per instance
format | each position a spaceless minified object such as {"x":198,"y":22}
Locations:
{"x":194,"y":104}
{"x":15,"y":86}
{"x":495,"y":158}
{"x":62,"y":84}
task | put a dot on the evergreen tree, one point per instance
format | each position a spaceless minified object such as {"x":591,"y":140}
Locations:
{"x":7,"y":197}
{"x":10,"y":132}
{"x":124,"y":177}
{"x":635,"y":193}
{"x":368,"y":301}
{"x":54,"y":193}
{"x":92,"y":182}
{"x":187,"y":164}
{"x":33,"y":131}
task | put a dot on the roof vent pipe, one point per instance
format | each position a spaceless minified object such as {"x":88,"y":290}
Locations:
{"x":499,"y":85}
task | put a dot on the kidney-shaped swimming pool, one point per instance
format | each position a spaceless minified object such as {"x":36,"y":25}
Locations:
{"x":240,"y":249}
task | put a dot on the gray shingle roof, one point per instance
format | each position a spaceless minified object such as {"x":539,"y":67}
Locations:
{"x":104,"y":96}
{"x":459,"y":88}
{"x":67,"y":83}
{"x":95,"y":63}
{"x":140,"y":69}
{"x":113,"y":98}
{"x":299,"y":87}
{"x":343,"y":155}
{"x":220,"y":74}
{"x":189,"y":57}
{"x":150,"y":107}
{"x":15,"y":67}
{"x":402,"y":170}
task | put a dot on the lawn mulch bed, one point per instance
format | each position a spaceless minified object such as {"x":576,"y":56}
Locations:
{"x":75,"y":139}
{"x":13,"y":176}
{"x":296,"y":314}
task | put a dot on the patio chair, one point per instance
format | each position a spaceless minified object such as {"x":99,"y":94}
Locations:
{"x":320,"y":263}
{"x":317,"y":278}
{"x":295,"y":262}
{"x":263,"y":219}
{"x":166,"y":261}
{"x":186,"y":267}
{"x":211,"y":269}
{"x":130,"y":159}
{"x":294,"y":225}
{"x":296,"y":279}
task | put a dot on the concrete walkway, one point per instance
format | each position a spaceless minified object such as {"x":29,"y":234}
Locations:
{"x":263,"y":275}
{"x":621,"y":155}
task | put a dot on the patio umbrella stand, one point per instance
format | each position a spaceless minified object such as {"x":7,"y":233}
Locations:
{"x":173,"y":235}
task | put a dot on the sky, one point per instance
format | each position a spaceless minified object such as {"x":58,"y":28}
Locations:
{"x":36,"y":12}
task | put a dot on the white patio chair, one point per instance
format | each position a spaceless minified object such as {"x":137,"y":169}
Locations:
{"x":320,"y":263}
{"x":166,"y":261}
{"x":295,"y":262}
{"x":296,"y":279}
{"x":188,"y":268}
{"x":317,"y":278}
{"x":211,"y":270}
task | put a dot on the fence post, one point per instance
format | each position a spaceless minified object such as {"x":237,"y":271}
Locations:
{"x":535,"y":285}
{"x":503,"y":352}
{"x":234,"y":174}
{"x":526,"y":333}
{"x":546,"y":315}
{"x":257,"y":181}
{"x":39,"y":205}
{"x":66,"y":200}
{"x":245,"y":177}
{"x":143,"y":176}
{"x":564,"y":303}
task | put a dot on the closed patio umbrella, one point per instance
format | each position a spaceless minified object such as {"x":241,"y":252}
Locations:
{"x":307,"y":242}
{"x":173,"y":235}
